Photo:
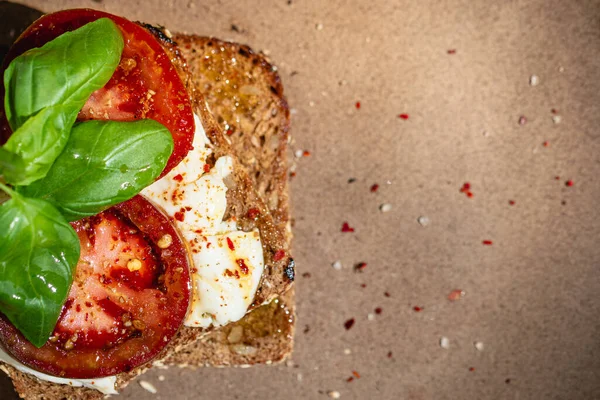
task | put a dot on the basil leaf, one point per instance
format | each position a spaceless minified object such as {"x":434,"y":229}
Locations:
{"x":38,"y":253}
{"x":39,"y":141}
{"x":12,"y":166}
{"x":104,"y":163}
{"x":66,"y":71}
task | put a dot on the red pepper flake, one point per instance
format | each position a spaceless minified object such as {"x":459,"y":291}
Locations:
{"x":229,"y":132}
{"x":389,"y":354}
{"x":403,"y":116}
{"x":374,"y":187}
{"x":230,"y":244}
{"x":569,"y":183}
{"x":356,"y":374}
{"x":242,"y":264}
{"x":179,"y":216}
{"x":253,"y":213}
{"x":487,"y":242}
{"x":452,"y":51}
{"x":557,"y":178}
{"x":554,"y":111}
{"x":507,"y":381}
{"x":349,"y":323}
{"x":466,"y":189}
{"x":347,"y":228}
{"x":522,"y":120}
{"x":456,"y":294}
{"x":306,"y":275}
{"x":387,"y":294}
{"x":378,"y":310}
{"x":206,"y":168}
{"x":360,"y":267}
{"x":418,"y":309}
{"x":292,"y":174}
{"x":472,"y":369}
{"x":363,"y":285}
{"x":358,"y":105}
{"x":546,"y":144}
{"x":511,"y":202}
{"x":279,"y":254}
{"x":470,"y":195}
{"x":350,"y":379}
{"x":306,"y":153}
{"x":178,"y":178}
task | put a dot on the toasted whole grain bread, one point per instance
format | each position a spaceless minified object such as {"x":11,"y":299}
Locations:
{"x":245,"y":95}
{"x":241,"y":197}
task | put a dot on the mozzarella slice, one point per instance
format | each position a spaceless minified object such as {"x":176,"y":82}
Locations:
{"x":228,"y":270}
{"x":223,"y":287}
{"x":105,"y":385}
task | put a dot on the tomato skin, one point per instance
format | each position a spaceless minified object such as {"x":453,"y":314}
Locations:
{"x":145,"y":84}
{"x":130,"y":320}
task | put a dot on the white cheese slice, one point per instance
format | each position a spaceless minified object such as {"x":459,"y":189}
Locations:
{"x":226,"y":278}
{"x":105,"y":385}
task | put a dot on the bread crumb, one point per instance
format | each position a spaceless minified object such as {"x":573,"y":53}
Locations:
{"x":534,"y":80}
{"x":148,"y":386}
{"x":386,"y":207}
{"x":334,"y":394}
{"x":444,"y":343}
{"x":298,"y":153}
{"x":423,"y":220}
{"x":478,"y":345}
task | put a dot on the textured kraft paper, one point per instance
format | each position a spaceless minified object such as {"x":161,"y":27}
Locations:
{"x":460,"y":71}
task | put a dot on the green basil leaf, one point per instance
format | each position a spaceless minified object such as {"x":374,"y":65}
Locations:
{"x":38,"y":254}
{"x":104,"y":163}
{"x":12,"y":166}
{"x":39,"y":141}
{"x":66,"y":71}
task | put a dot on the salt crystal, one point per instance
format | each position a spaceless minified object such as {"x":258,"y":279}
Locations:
{"x":478,"y":345}
{"x":161,"y":378}
{"x":556,"y":119}
{"x":534,"y":80}
{"x":319,"y":26}
{"x":337,"y":265}
{"x":298,"y":153}
{"x":311,"y":103}
{"x":423,"y":220}
{"x":299,"y":377}
{"x":561,"y":69}
{"x":370,"y":317}
{"x":148,"y":386}
{"x":347,"y":351}
{"x":385,"y":207}
{"x":444,"y":343}
{"x":334,"y":394}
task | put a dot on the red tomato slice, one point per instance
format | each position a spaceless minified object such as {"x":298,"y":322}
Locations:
{"x":145,"y":84}
{"x":129,"y":297}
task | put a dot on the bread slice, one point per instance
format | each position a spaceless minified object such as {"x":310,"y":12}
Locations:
{"x":245,"y":95}
{"x":242,"y":197}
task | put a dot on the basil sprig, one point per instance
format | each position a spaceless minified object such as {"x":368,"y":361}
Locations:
{"x":38,"y":254}
{"x":101,"y":166}
{"x":47,"y":86}
{"x":61,"y":170}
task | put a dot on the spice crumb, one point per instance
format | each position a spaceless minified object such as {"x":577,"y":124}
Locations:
{"x":478,"y":346}
{"x":534,"y":80}
{"x":389,"y":354}
{"x":456,"y":294}
{"x":148,"y":386}
{"x":337,"y":265}
{"x":385,"y":207}
{"x":351,"y":180}
{"x":452,"y":51}
{"x":444,"y":342}
{"x":423,"y":220}
{"x":387,"y":294}
{"x":472,"y":369}
{"x":349,"y":323}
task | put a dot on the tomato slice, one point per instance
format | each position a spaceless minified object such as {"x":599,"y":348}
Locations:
{"x":145,"y":84}
{"x":129,"y":297}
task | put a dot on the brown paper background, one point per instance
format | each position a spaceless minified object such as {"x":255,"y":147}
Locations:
{"x":532,"y":298}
